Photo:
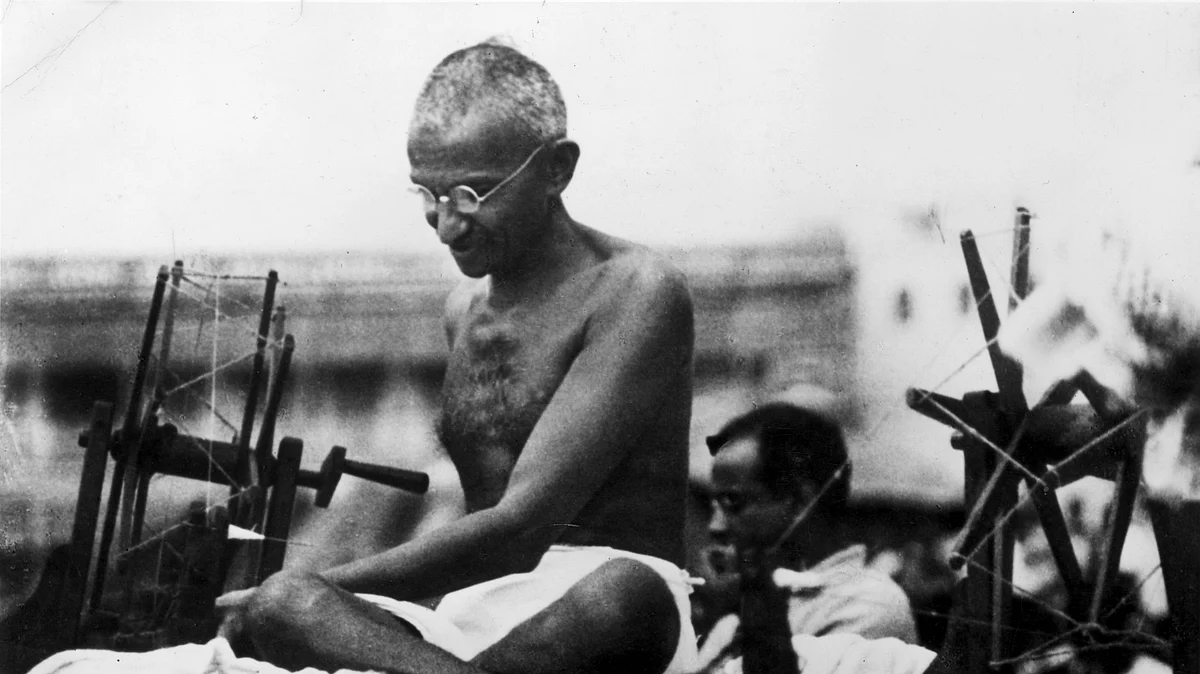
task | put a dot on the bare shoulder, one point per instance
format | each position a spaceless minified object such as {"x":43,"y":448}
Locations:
{"x":633,"y":276}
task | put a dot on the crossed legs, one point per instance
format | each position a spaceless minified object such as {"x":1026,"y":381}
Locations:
{"x":621,"y":617}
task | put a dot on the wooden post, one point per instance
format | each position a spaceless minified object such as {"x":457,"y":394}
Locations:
{"x":279,"y":516}
{"x":1177,"y":529}
{"x":247,"y":465}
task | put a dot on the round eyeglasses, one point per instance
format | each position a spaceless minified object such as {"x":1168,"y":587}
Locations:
{"x":462,"y":198}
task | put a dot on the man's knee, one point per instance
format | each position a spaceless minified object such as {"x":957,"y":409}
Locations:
{"x":626,"y":613}
{"x":626,"y":594}
{"x":621,"y":617}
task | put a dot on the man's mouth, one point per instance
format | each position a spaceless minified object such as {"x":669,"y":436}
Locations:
{"x":463,"y":250}
{"x":723,"y":559}
{"x":465,"y":245}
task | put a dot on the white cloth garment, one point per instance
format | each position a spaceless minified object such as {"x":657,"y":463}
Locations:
{"x":470,"y":620}
{"x":465,"y":623}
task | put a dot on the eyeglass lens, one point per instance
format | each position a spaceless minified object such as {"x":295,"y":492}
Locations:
{"x":463,"y":199}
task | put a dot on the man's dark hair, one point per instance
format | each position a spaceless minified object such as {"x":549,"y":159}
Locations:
{"x":797,"y":445}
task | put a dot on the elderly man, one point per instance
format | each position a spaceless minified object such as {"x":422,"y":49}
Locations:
{"x":567,"y":402}
{"x":780,"y":480}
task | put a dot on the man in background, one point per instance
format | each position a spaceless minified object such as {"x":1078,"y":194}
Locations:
{"x":781,"y":480}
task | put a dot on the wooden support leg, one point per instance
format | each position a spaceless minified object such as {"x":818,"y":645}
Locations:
{"x":1128,"y":477}
{"x":266,"y":432}
{"x":989,"y":576}
{"x":195,"y":619}
{"x":87,"y":515}
{"x":106,"y":535}
{"x":1059,"y":539}
{"x":247,"y":464}
{"x":51,"y":619}
{"x":1177,"y":529}
{"x":240,"y":557}
{"x":283,"y":497}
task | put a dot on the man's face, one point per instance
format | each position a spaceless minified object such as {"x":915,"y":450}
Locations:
{"x":745,"y":512}
{"x":480,"y":153}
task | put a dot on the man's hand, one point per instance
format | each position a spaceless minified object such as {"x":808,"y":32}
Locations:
{"x":233,"y":606}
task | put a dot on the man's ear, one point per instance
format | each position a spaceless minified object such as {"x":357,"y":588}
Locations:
{"x":564,"y":154}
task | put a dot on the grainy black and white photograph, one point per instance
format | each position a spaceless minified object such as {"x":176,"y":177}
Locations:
{"x":563,"y":337}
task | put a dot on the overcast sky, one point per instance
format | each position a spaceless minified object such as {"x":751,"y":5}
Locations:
{"x":173,"y":128}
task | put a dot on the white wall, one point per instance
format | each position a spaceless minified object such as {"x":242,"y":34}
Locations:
{"x":182,"y":128}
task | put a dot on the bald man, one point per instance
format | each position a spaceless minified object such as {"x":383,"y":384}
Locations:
{"x":566,"y":408}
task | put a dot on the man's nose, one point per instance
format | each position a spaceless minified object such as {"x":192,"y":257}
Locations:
{"x":451,"y":225}
{"x":718,"y":526}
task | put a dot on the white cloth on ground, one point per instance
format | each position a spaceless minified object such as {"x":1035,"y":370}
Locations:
{"x":851,"y":654}
{"x":215,"y":657}
{"x":470,"y":620}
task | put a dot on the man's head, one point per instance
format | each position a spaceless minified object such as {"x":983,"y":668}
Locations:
{"x":769,"y":465}
{"x":493,"y":121}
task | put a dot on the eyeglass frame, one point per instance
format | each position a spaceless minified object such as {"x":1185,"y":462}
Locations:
{"x":432,"y":201}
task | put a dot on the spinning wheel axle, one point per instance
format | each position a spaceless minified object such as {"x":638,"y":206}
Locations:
{"x":167,"y":452}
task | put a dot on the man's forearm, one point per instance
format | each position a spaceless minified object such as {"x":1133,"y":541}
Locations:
{"x":479,"y":547}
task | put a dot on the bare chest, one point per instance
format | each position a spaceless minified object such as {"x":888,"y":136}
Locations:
{"x":502,"y":372}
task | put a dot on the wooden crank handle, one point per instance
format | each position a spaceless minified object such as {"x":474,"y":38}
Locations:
{"x":336,"y":463}
{"x":408,"y":480}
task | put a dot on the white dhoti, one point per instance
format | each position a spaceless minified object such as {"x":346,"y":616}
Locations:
{"x":470,"y":620}
{"x":465,"y":623}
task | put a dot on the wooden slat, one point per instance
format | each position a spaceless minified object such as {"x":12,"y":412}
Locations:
{"x":1128,"y":479}
{"x":1020,"y":260}
{"x":937,"y":407}
{"x":1058,"y":537}
{"x":1177,"y":529}
{"x":1008,"y":372}
{"x":247,"y":471}
{"x":87,"y":513}
{"x":279,"y":514}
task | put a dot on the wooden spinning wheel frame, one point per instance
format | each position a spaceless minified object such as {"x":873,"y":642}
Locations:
{"x":1008,"y":444}
{"x":89,"y":594}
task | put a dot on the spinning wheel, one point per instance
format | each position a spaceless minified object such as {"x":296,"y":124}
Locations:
{"x":112,"y":585}
{"x":1007,"y":444}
